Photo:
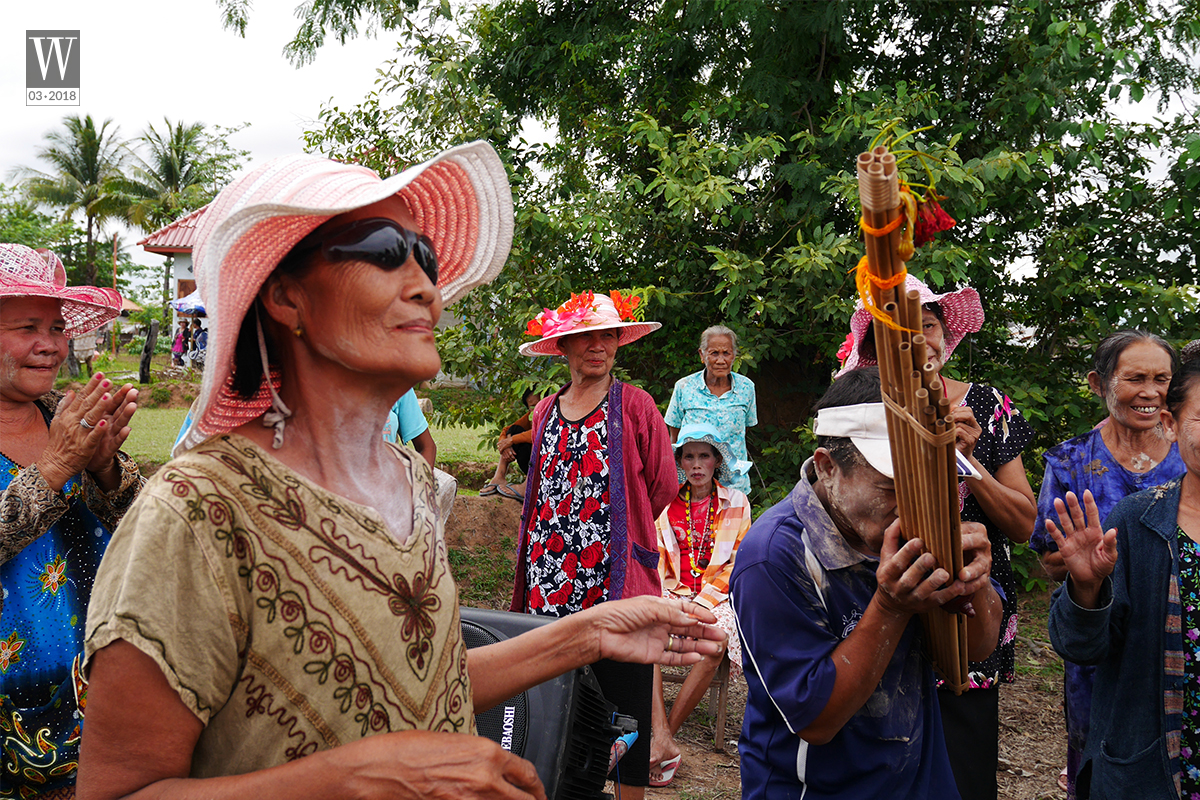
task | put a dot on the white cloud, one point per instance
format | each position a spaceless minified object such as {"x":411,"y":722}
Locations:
{"x":142,"y":60}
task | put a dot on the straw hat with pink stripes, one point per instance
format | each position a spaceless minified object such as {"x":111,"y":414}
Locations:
{"x":460,"y":200}
{"x":25,"y":272}
{"x":962,"y":310}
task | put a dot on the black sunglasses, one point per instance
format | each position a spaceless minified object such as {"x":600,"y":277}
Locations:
{"x":377,"y":241}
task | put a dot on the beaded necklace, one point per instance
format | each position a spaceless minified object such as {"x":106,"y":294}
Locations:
{"x":697,"y":553}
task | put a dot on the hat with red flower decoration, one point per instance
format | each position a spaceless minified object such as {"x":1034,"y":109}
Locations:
{"x":961,"y":309}
{"x":586,"y":312}
{"x":25,"y":272}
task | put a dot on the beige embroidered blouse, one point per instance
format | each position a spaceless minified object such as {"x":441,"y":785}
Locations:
{"x":287,"y":618}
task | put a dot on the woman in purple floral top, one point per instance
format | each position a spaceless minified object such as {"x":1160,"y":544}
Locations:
{"x":1126,"y":453}
{"x":992,"y":434}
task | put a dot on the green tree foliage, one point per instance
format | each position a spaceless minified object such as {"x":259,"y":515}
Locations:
{"x":172,"y":173}
{"x":343,"y":19}
{"x":701,"y":152}
{"x":83,"y":158}
{"x":22,"y":223}
{"x":175,"y":171}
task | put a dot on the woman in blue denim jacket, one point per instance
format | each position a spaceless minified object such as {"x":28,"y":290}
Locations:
{"x":1131,"y":606}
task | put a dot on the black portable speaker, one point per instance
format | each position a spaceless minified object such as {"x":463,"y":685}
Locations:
{"x":563,"y":726}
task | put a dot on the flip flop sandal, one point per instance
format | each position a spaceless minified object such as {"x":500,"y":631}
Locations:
{"x":1062,"y":780}
{"x":666,"y":772}
{"x":489,"y":489}
{"x":509,"y":492}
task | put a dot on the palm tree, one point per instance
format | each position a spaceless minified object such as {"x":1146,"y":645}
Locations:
{"x":85,"y":160}
{"x":183,"y":169}
{"x":179,"y":175}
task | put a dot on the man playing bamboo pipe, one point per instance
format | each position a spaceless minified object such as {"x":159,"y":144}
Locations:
{"x":841,"y":698}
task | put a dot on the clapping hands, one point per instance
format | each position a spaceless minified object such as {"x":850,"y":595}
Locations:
{"x":88,"y":429}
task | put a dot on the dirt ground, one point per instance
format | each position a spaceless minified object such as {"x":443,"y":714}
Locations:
{"x":1032,"y":738}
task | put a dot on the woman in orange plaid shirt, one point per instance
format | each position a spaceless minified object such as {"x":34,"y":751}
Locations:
{"x":698,"y":537}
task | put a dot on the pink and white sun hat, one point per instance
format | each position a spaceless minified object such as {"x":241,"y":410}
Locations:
{"x":25,"y":272}
{"x":582,"y":313}
{"x":460,"y":199}
{"x":962,"y":310}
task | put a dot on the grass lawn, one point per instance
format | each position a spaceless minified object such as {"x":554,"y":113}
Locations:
{"x":155,"y":429}
{"x":458,"y":443}
{"x":153,"y":432}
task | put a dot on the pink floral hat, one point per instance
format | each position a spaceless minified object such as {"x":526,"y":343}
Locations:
{"x":962,"y":310}
{"x":25,"y":272}
{"x":460,"y":199}
{"x":586,"y":312}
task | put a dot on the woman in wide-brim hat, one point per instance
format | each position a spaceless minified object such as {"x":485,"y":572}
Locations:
{"x":281,"y":589}
{"x":992,"y":433}
{"x":698,"y":538}
{"x":65,"y":484}
{"x":600,"y":472}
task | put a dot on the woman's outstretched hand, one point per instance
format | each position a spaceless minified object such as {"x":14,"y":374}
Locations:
{"x":88,"y":429}
{"x":1089,"y":553}
{"x":655,"y":630}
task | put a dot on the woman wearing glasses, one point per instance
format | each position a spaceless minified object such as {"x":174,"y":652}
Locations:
{"x":717,"y":396}
{"x":276,"y":617}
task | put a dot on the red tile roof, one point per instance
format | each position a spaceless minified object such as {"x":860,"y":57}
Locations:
{"x":176,"y":237}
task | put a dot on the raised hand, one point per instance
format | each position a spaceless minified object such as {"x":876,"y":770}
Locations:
{"x":1088,"y":552}
{"x":654,"y":630}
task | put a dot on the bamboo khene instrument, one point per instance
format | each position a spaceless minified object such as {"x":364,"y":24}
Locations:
{"x":920,"y":428}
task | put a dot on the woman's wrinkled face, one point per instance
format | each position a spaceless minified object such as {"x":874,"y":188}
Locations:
{"x":699,"y":461}
{"x":33,"y":345}
{"x":718,"y":356}
{"x":368,"y":319}
{"x":935,"y":338}
{"x":1137,"y":392}
{"x":590,"y":354}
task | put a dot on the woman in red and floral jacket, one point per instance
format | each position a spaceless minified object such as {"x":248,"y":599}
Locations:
{"x":600,"y":472}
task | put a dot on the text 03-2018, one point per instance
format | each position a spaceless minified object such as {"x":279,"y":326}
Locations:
{"x":47,"y":96}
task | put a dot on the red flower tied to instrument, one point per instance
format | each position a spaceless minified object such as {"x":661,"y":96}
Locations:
{"x":931,"y":219}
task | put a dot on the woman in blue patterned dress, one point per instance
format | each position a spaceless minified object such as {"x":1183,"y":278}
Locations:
{"x":991,"y":433}
{"x":717,"y":396}
{"x":65,"y":485}
{"x":1124,"y":454}
{"x":1131,"y":607}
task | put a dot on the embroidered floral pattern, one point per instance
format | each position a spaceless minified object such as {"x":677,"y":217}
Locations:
{"x":54,"y":575}
{"x":568,"y":567}
{"x":339,"y":630}
{"x":1189,"y":585}
{"x":8,"y":651}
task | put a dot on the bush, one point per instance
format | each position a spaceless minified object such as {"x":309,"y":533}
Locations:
{"x":161,"y":345}
{"x":160,"y":395}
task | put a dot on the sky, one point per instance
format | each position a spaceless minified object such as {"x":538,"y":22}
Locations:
{"x":141,"y":60}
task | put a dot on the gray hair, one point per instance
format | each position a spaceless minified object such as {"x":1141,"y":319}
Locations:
{"x":1108,"y":353}
{"x":718,"y":330}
